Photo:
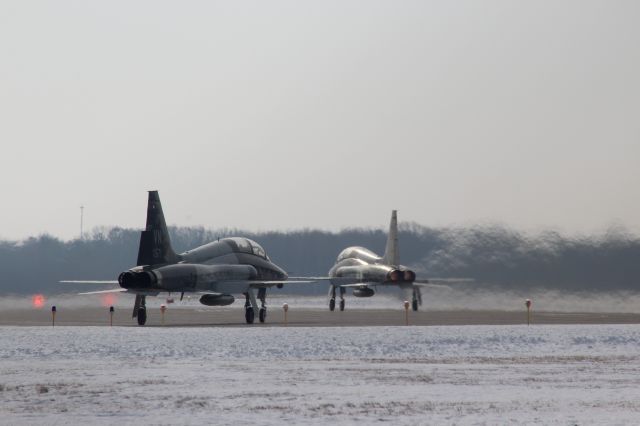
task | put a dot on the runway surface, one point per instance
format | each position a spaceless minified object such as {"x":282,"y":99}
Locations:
{"x":187,"y":316}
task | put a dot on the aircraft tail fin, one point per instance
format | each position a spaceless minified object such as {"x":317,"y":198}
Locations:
{"x":155,"y":244}
{"x":391,"y":255}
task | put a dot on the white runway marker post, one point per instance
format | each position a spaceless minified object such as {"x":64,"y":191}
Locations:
{"x":53,"y":316}
{"x":527,"y":303}
{"x":163,"y":308}
{"x":111,"y":316}
{"x":406,"y":312}
{"x":285,"y":308}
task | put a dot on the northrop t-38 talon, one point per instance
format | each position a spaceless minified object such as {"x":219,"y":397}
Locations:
{"x":216,"y":270}
{"x":361,"y":269}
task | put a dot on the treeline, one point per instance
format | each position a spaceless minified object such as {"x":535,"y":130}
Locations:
{"x":493,"y":256}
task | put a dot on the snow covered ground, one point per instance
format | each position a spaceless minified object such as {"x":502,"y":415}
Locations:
{"x":401,"y":375}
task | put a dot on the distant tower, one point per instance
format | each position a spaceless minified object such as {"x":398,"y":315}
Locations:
{"x":81,"y":222}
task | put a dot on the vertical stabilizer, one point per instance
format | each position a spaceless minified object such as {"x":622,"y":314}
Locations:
{"x":155,"y":244}
{"x":391,"y":255}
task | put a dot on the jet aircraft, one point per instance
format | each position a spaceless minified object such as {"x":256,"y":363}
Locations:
{"x":361,"y":269}
{"x":216,"y":270}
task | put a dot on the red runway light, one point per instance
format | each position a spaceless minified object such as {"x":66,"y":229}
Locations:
{"x":37,"y":300}
{"x":109,"y":299}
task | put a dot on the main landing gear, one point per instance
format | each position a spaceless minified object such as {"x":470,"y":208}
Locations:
{"x":416,"y":299}
{"x":140,"y":310}
{"x":332,"y":298}
{"x":251,"y":304}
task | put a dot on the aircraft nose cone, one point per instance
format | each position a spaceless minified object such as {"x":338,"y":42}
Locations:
{"x":281,"y":274}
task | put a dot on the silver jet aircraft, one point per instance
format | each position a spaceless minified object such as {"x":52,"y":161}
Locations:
{"x":216,"y":270}
{"x":361,"y":269}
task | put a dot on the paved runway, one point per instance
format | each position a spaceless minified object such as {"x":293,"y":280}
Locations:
{"x":306,"y":317}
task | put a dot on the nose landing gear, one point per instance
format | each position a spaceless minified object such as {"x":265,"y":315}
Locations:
{"x":332,"y":298}
{"x":262,"y":295}
{"x":249,"y":314}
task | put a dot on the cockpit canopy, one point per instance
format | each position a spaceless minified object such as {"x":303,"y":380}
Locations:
{"x":223,"y":247}
{"x":245,"y":245}
{"x":358,"y":253}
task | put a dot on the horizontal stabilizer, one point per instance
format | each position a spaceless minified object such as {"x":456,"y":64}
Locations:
{"x":89,"y":281}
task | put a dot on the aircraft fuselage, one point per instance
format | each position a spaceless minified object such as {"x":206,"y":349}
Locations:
{"x":224,"y":266}
{"x":360,"y":265}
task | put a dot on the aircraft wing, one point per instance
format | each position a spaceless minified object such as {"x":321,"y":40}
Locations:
{"x":269,"y":283}
{"x":255,"y":283}
{"x":365,"y":284}
{"x":422,"y":284}
{"x":312,"y":278}
{"x":115,"y":290}
{"x":153,"y":292}
{"x":433,"y":283}
{"x":441,"y":282}
{"x":338,"y":281}
{"x":446,"y":281}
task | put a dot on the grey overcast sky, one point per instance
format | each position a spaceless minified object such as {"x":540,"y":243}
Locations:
{"x":323,"y":114}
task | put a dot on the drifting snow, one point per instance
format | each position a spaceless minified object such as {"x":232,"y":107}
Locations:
{"x":403,"y":375}
{"x":442,"y":298}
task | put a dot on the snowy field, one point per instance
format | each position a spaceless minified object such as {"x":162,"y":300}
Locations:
{"x":562,"y":375}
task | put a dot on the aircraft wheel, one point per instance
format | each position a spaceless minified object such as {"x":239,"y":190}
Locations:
{"x":262,"y":315}
{"x":332,"y":305}
{"x":414,"y":305}
{"x":142,"y":316}
{"x":249,"y":315}
{"x":342,"y":305}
